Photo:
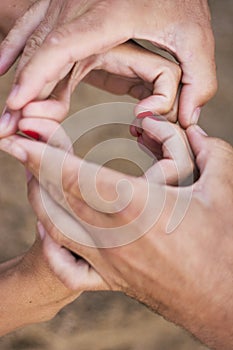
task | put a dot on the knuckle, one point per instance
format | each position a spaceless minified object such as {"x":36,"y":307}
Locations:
{"x":33,"y":43}
{"x":173,"y":71}
{"x":58,"y":36}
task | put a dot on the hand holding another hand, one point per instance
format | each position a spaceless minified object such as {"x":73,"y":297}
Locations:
{"x":57,"y":36}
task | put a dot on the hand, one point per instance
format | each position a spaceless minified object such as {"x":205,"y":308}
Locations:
{"x":182,"y":28}
{"x":185,"y":276}
{"x":39,"y":283}
{"x":127,"y":68}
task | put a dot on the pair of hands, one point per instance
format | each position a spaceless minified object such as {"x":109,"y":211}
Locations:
{"x":127,"y":68}
{"x":192,"y":44}
{"x":49,"y":32}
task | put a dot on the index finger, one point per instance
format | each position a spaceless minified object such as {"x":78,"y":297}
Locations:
{"x":61,"y":47}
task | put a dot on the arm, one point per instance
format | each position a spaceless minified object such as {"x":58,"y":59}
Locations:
{"x":30,"y":291}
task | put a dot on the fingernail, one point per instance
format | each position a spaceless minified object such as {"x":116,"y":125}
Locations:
{"x":32,"y":134}
{"x":145,"y":114}
{"x":14,"y":92}
{"x":28,"y":175}
{"x":41,"y":230}
{"x":196,"y":115}
{"x":200,"y":130}
{"x":5,"y":121}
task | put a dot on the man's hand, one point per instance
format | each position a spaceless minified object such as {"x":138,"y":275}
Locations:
{"x":185,"y":276}
{"x":71,"y":31}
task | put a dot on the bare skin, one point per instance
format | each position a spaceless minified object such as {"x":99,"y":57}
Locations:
{"x":32,"y":292}
{"x":185,"y":276}
{"x":182,"y":28}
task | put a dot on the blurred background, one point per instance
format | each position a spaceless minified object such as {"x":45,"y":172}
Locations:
{"x":107,"y":321}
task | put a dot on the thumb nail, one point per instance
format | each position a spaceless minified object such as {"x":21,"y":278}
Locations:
{"x":200,"y":130}
{"x":196,"y":115}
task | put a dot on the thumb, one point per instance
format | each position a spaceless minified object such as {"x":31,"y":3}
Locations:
{"x":199,"y":86}
{"x":16,"y":39}
{"x":177,"y":163}
{"x":213,"y":156}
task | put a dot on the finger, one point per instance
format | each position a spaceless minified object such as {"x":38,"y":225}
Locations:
{"x":55,"y":107}
{"x":152,"y":145}
{"x":59,"y":170}
{"x":177,"y":163}
{"x":199,"y":81}
{"x":120,"y":84}
{"x":61,"y":46}
{"x":61,"y":237}
{"x":48,"y":130}
{"x":212,"y":155}
{"x":162,"y":100}
{"x":142,"y":74}
{"x":133,"y":130}
{"x":74,"y":272}
{"x":34,"y":42}
{"x":16,"y":39}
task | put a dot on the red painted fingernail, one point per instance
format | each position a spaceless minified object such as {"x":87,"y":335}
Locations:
{"x":145,"y":114}
{"x":33,"y":134}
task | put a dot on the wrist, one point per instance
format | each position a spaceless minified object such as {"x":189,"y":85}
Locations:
{"x":31,"y":293}
{"x":43,"y":292}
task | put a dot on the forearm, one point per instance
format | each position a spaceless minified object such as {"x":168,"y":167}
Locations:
{"x":29,"y":291}
{"x":20,"y":296}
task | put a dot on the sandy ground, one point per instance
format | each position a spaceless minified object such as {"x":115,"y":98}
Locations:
{"x":106,"y":321}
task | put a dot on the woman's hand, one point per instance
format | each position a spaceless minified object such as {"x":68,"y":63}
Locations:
{"x":56,"y":35}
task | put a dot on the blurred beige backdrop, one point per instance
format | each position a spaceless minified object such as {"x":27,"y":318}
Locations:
{"x":107,"y":321}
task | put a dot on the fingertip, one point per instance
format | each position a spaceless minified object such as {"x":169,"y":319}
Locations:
{"x":197,"y":137}
{"x":133,"y":130}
